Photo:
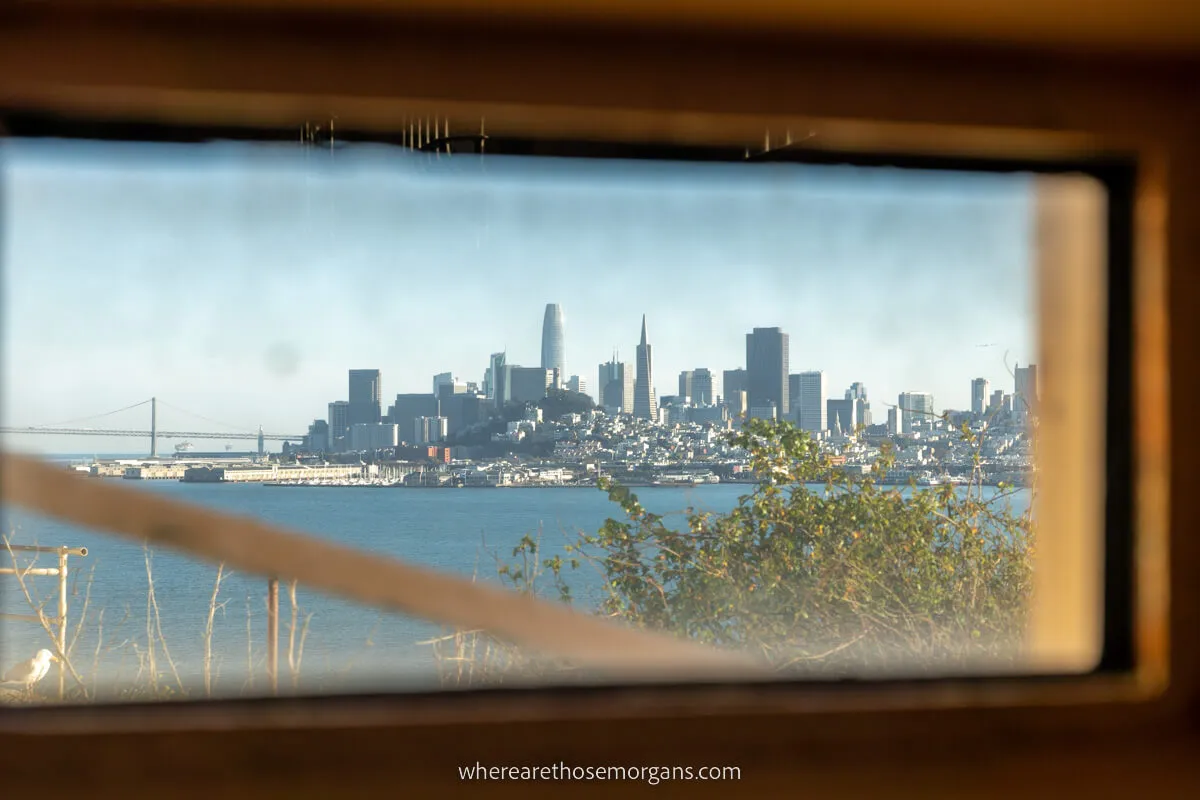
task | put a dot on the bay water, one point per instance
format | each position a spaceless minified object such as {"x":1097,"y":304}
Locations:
{"x":469,"y":532}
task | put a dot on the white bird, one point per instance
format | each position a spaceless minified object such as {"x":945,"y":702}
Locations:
{"x":29,"y":672}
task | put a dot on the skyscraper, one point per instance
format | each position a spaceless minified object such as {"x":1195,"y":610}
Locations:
{"x":979,"y":396}
{"x":552,"y":340}
{"x":491,"y":374}
{"x":615,"y":388}
{"x":808,"y":407}
{"x":339,"y":425}
{"x":860,"y":408}
{"x":915,"y":408}
{"x":839,"y":415}
{"x":702,"y":387}
{"x":767,"y":368}
{"x":411,"y":406}
{"x":1025,"y":392}
{"x":685,"y":384}
{"x":365,"y":397}
{"x":733,"y":381}
{"x":526,"y":384}
{"x":645,"y":403}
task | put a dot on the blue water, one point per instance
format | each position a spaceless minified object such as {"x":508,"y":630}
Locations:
{"x":462,"y":531}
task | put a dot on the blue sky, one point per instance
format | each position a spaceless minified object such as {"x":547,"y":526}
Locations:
{"x":241,"y":282}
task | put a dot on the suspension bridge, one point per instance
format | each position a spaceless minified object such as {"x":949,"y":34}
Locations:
{"x":70,"y":428}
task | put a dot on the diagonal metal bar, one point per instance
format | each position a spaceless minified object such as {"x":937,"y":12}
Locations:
{"x":253,"y":546}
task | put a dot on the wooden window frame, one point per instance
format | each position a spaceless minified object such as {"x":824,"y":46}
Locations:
{"x":866,"y":96}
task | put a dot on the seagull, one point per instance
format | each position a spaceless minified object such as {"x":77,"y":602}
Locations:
{"x":28,"y":673}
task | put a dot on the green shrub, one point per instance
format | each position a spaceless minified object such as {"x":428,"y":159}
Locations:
{"x":853,"y":573}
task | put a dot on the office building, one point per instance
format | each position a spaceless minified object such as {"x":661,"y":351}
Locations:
{"x":839,"y":415}
{"x":860,"y":408}
{"x":979,"y":396}
{"x":767,"y":411}
{"x":411,"y":406}
{"x":738,"y":404}
{"x":615,"y":387}
{"x":429,"y":430}
{"x":685,"y":384}
{"x":339,"y":425}
{"x":451,"y":387}
{"x":317,"y":440}
{"x":732,"y":382}
{"x":577,"y":384}
{"x":645,"y":402}
{"x":365,"y":396}
{"x":767,"y":368}
{"x":369,"y":437}
{"x":893,"y":422}
{"x":553,"y":324}
{"x":996,"y":404}
{"x":916,"y":410}
{"x":492,"y":373}
{"x":808,"y":408}
{"x":526,"y":384}
{"x":1025,"y":393}
{"x":702,"y":387}
{"x":461,"y":410}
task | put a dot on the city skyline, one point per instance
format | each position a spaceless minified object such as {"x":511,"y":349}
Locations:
{"x":876,"y":275}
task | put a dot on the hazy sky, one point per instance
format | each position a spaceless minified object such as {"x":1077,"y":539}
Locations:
{"x":241,"y":282}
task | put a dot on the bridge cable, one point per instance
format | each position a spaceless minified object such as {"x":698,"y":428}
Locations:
{"x":93,"y":416}
{"x":235,"y":428}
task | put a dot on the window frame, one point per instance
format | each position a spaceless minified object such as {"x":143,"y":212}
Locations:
{"x":854,"y":115}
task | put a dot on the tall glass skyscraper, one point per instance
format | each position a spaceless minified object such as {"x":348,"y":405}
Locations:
{"x":767,"y":369}
{"x":645,"y":404}
{"x":365,"y":397}
{"x":552,"y":340}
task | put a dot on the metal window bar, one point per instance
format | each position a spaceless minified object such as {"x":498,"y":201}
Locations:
{"x":386,"y":583}
{"x":60,"y":620}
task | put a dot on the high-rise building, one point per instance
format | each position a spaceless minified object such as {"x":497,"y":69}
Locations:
{"x":428,"y":430}
{"x":645,"y":403}
{"x":411,"y":406}
{"x":339,"y":425}
{"x":737,"y":404}
{"x":916,"y":408}
{"x":1025,"y":392}
{"x":615,"y":387}
{"x":552,"y":340}
{"x":495,"y":362}
{"x":979,"y":396}
{"x":451,"y":387}
{"x":461,"y":410}
{"x":702,"y":387}
{"x":369,"y":437}
{"x":685,"y":384}
{"x":577,"y":384}
{"x":767,"y":368}
{"x":526,"y":384}
{"x":840,"y":415}
{"x":441,"y":379}
{"x":317,"y":440}
{"x":808,"y":407}
{"x":732,"y":382}
{"x":996,"y":404}
{"x":767,"y":411}
{"x":860,"y":408}
{"x":365,"y":397}
{"x":893,"y":422}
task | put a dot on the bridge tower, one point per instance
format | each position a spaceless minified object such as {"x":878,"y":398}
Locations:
{"x":262,"y":443}
{"x":154,"y":427}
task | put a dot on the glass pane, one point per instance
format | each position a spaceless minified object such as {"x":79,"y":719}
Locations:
{"x":788,"y":409}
